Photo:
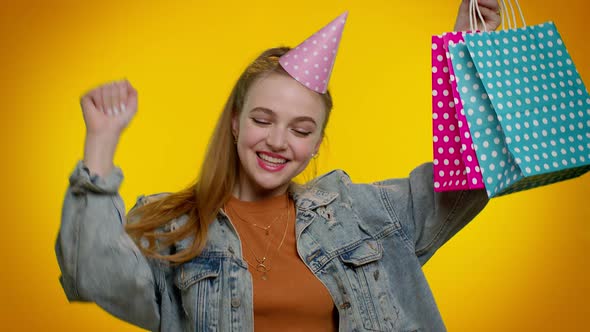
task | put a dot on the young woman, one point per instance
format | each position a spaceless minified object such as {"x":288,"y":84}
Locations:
{"x":245,"y":247}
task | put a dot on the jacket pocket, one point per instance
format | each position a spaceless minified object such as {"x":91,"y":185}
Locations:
{"x":369,"y":286}
{"x":199,"y":283}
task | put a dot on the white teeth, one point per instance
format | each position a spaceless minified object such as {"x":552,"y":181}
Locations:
{"x":272,"y":159}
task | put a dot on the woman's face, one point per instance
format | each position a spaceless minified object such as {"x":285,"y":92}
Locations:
{"x":278,"y":132}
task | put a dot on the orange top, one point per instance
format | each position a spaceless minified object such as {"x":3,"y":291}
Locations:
{"x":288,"y":296}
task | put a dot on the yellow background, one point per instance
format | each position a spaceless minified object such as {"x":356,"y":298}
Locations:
{"x":522,"y":264}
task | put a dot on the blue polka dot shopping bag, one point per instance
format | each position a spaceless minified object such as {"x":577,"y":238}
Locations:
{"x":527,"y":109}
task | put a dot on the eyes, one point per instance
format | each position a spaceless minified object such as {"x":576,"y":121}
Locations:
{"x":260,"y":122}
{"x":301,"y":132}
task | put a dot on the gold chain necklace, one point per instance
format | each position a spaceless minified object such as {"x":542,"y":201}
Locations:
{"x":266,"y":228}
{"x":262,"y":265}
{"x":268,"y":242}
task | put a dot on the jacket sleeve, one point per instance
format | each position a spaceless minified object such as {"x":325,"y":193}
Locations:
{"x":100,"y":263}
{"x":437,"y":216}
{"x":428,"y":218}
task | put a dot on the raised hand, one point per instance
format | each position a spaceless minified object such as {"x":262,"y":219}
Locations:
{"x":108,"y":110}
{"x":490,"y":10}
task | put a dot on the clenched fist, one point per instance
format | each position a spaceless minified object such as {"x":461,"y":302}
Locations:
{"x":109,"y":108}
{"x":490,"y":11}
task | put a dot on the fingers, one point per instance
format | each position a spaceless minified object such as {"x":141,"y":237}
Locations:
{"x":106,"y":96}
{"x":115,"y":100}
{"x":493,"y":5}
{"x":110,"y":98}
{"x":131,"y":102}
{"x":491,"y":17}
{"x":122,"y":92}
{"x":92,"y":101}
{"x":87,"y":103}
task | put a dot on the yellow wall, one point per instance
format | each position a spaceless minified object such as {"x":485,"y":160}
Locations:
{"x":520,"y":266}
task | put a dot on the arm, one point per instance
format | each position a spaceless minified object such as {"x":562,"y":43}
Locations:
{"x":423,"y":219}
{"x":428,"y":218}
{"x":99,"y":262}
{"x":437,"y":216}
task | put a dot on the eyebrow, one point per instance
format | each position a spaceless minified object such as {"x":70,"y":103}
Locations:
{"x":270,"y":112}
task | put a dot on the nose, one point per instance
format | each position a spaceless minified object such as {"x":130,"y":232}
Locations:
{"x":276,"y":138}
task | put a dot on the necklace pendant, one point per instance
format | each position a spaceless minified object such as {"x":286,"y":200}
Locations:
{"x":267,"y":231}
{"x":261,"y":268}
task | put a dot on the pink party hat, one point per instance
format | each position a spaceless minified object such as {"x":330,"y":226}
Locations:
{"x":311,"y":62}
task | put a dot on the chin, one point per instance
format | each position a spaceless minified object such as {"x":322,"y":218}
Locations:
{"x":271,"y":181}
{"x":271,"y":184}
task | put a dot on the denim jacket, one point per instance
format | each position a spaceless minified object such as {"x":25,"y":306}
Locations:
{"x":365,"y":242}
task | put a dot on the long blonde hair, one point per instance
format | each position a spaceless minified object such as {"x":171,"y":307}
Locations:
{"x":219,"y":172}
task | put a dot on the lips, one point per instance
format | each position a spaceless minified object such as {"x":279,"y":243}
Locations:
{"x":271,"y":162}
{"x":271,"y":158}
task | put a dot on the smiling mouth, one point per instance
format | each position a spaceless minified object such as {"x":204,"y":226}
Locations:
{"x":272,"y":160}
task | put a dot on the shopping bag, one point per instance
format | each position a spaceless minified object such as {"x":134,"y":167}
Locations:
{"x":527,"y":108}
{"x":455,"y":164}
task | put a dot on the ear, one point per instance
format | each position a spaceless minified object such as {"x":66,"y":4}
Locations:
{"x":235,"y":124}
{"x":316,"y":148}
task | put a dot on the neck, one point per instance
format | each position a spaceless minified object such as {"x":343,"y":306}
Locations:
{"x":246,"y":191}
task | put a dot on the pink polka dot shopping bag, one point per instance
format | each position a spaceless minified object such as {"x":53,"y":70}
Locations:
{"x":455,"y":164}
{"x":517,"y":95}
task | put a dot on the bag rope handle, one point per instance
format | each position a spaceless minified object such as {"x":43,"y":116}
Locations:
{"x":507,"y":14}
